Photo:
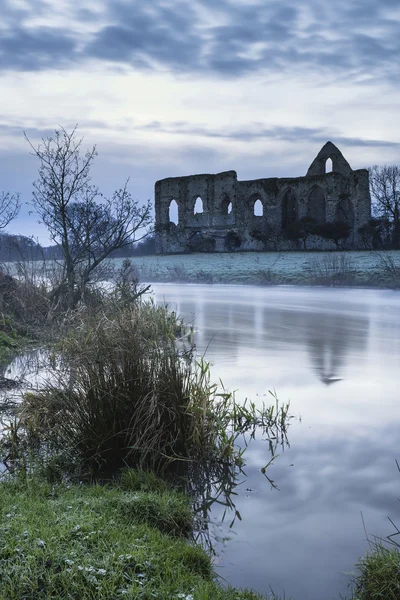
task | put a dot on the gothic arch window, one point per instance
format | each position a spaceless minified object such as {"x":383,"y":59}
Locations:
{"x":258,"y":209}
{"x":345,"y":211}
{"x":226,"y":205}
{"x":289,"y":208}
{"x":328,"y":165}
{"x":316,"y":205}
{"x":173,"y":212}
{"x":198,"y":206}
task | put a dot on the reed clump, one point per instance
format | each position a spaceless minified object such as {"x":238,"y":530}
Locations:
{"x":126,"y":390}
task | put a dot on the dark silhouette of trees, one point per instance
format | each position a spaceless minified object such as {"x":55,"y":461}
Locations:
{"x":385,"y":191}
{"x":336,"y":231}
{"x":84,"y":225}
{"x":301,"y":229}
{"x":9,"y":208}
{"x":375,"y":234}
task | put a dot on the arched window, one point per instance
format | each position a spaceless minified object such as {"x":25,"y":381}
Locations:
{"x":345,"y":212}
{"x":289,"y":208}
{"x":226,"y":205}
{"x":258,"y":209}
{"x":328,"y":165}
{"x":316,"y":205}
{"x":198,"y":206}
{"x":173,"y":212}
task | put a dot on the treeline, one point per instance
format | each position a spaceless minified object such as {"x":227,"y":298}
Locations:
{"x":20,"y":247}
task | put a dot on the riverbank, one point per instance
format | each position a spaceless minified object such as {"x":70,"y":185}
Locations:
{"x":130,"y":539}
{"x":358,"y":268}
{"x":102,"y":542}
{"x":111,"y":352}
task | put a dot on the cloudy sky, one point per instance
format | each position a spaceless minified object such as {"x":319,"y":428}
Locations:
{"x":176,"y":87}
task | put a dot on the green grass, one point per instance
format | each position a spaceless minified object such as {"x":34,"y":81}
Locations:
{"x":100,"y":542}
{"x":378,"y":575}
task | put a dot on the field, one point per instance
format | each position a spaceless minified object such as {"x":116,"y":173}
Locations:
{"x":364,"y":268}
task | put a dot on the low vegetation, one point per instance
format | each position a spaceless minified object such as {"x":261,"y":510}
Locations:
{"x":335,"y":268}
{"x":378,"y":575}
{"x":124,"y":388}
{"x":80,"y":542}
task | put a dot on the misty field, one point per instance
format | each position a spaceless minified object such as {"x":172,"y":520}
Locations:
{"x":336,"y":268}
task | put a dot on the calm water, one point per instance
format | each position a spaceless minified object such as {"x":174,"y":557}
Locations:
{"x":335,"y":354}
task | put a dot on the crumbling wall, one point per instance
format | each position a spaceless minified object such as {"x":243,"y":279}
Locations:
{"x":252,"y":215}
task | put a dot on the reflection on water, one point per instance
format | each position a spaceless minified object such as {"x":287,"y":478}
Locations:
{"x":306,"y":537}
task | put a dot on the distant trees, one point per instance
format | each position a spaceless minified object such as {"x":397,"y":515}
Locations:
{"x":304,"y":228}
{"x":335,"y":231}
{"x":19,"y":247}
{"x":385,"y":191}
{"x":375,"y":234}
{"x":84,"y":225}
{"x":301,"y":229}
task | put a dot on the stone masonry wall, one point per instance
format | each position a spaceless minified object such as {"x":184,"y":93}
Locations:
{"x":251,"y":215}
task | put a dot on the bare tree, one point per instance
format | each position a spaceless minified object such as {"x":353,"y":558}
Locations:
{"x":385,"y":191}
{"x":85,"y":225}
{"x":9,"y":208}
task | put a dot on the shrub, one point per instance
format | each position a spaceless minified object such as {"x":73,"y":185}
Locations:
{"x":332,"y":270}
{"x":127,"y":391}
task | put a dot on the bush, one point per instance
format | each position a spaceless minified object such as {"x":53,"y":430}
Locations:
{"x":126,"y":391}
{"x":332,"y":270}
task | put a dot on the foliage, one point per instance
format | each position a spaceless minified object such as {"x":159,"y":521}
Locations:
{"x":80,"y":542}
{"x":378,"y":575}
{"x":270,"y":237}
{"x":19,"y":247}
{"x":375,"y":233}
{"x":335,"y":231}
{"x":385,"y":191}
{"x":331,"y":269}
{"x":127,"y":391}
{"x":301,"y":229}
{"x":390,"y":270}
{"x":86,"y":226}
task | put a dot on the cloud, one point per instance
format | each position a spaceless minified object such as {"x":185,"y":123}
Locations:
{"x":229,"y":39}
{"x":34,"y":50}
{"x":256,"y":131}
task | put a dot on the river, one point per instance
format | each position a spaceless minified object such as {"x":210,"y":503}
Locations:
{"x":335,"y":354}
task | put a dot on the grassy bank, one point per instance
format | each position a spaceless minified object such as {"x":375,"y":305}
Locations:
{"x":131,"y":539}
{"x":95,"y":542}
{"x":353,"y":268}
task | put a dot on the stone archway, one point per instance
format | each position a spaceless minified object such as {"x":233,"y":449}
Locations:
{"x":289,"y":209}
{"x":316,"y":206}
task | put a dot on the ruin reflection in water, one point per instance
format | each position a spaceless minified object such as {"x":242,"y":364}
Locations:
{"x":308,"y":536}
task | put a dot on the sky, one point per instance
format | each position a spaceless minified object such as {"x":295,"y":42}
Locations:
{"x":166,"y":88}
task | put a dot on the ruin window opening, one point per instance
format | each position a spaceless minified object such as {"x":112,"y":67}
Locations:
{"x":258,"y":209}
{"x":198,"y":206}
{"x":226,"y":205}
{"x":316,"y":205}
{"x":345,"y":212}
{"x":328,"y":165}
{"x":289,"y":209}
{"x":173,"y":212}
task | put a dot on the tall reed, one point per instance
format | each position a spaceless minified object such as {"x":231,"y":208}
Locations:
{"x":131,"y":392}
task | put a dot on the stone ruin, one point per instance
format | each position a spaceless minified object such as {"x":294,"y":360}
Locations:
{"x":218,"y":213}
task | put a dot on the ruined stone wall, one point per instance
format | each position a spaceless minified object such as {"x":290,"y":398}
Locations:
{"x":251,"y":215}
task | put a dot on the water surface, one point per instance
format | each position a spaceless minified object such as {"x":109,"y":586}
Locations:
{"x":335,"y":353}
